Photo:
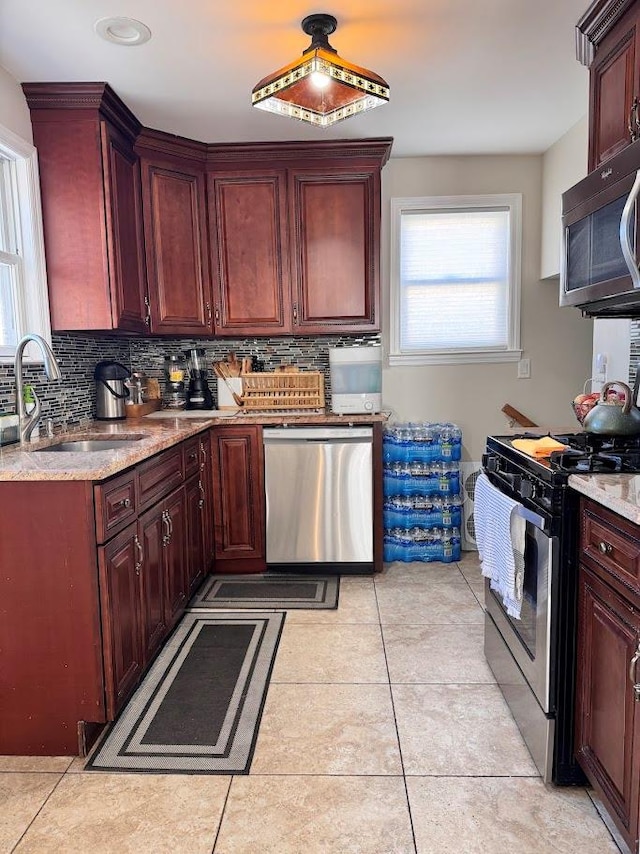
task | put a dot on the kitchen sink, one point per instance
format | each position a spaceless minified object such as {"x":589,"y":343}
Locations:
{"x":83,"y":446}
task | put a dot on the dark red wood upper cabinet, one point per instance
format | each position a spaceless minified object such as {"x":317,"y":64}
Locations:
{"x":608,"y":41}
{"x":335,"y":226}
{"x":124,"y":231}
{"x":90,"y":181}
{"x":250,"y":252}
{"x":174,"y":203}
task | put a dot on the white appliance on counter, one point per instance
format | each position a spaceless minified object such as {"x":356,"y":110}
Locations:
{"x":356,"y":379}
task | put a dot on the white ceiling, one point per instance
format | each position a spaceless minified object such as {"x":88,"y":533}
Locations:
{"x":466,"y":76}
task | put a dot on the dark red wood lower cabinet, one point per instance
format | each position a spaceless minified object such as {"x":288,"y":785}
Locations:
{"x":238,"y":498}
{"x":120,"y":607}
{"x":608,"y":713}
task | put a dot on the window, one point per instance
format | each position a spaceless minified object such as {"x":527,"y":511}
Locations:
{"x":455,"y":279}
{"x":24,"y":304}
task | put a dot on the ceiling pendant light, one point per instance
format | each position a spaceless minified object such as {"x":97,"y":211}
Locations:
{"x":320,"y":87}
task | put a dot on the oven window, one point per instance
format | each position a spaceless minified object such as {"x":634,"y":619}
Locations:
{"x":525,"y":627}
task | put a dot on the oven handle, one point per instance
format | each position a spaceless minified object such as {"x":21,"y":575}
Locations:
{"x":530,"y":516}
{"x":625,"y":242}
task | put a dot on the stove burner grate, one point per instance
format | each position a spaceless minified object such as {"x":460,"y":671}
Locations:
{"x":585,"y":462}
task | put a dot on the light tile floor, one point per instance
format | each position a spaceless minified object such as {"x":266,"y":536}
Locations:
{"x":383,"y":732}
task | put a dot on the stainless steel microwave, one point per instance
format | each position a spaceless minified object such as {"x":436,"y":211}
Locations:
{"x":599,"y":271}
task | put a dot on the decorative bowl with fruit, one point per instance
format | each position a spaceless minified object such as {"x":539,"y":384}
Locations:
{"x":583,"y":403}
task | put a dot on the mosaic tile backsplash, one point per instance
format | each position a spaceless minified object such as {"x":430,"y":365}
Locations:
{"x":72,"y":400}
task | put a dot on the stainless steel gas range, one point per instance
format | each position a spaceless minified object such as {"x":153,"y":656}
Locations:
{"x":534,"y":657}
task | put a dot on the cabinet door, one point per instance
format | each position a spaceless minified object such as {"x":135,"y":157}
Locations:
{"x":335,"y":238}
{"x":176,"y":249}
{"x":613,"y":83}
{"x":607,"y":710}
{"x":206,"y":508}
{"x":120,"y":607}
{"x":154,"y":625}
{"x":238,"y":498}
{"x":250,"y":254}
{"x":175,"y":549}
{"x":125,"y":239}
{"x":90,"y":185}
{"x":195,"y":534}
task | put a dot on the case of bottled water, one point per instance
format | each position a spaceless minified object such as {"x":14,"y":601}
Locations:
{"x":422,"y":491}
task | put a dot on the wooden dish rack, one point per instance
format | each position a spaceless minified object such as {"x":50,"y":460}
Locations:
{"x":283,"y":390}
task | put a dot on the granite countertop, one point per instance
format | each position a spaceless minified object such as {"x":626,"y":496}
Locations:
{"x":619,"y":493}
{"x":158,"y":433}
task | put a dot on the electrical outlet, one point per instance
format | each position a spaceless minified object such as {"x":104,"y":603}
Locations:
{"x":524,"y":369}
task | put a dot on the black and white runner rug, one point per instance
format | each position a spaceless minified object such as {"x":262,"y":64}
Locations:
{"x":284,"y":592}
{"x":198,"y":709}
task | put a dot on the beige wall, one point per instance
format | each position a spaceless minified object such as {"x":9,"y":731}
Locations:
{"x":14,"y":113}
{"x":563,"y":165}
{"x":557,"y":341}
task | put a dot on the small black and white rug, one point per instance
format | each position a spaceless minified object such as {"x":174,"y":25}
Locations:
{"x":283,"y":592}
{"x":198,"y":709}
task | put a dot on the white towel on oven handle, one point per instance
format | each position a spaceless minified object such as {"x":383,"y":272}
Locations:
{"x":500,"y":533}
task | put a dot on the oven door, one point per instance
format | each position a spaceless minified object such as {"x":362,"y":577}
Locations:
{"x":529,"y":638}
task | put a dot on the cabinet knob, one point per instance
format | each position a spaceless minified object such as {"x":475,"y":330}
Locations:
{"x":605,"y":548}
{"x":125,"y":502}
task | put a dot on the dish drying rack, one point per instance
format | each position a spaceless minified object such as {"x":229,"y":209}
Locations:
{"x":283,"y":390}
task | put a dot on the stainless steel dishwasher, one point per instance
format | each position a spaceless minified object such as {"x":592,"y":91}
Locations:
{"x":319,"y":488}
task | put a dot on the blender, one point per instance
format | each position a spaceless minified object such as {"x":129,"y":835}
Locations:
{"x":198,"y":391}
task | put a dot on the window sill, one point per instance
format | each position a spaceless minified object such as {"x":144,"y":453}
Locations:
{"x":455,"y":357}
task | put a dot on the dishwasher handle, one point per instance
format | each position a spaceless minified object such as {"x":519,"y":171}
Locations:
{"x":317,"y":434}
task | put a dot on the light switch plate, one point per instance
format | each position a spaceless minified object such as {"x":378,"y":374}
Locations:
{"x":524,"y":369}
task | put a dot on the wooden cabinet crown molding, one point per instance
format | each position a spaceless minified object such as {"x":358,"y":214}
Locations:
{"x":596,"y":22}
{"x":82,"y":96}
{"x":157,"y":142}
{"x":376,"y":150}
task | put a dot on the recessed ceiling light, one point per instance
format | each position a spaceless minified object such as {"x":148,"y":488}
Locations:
{"x":124,"y":31}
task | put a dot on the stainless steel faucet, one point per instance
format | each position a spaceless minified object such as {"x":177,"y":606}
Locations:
{"x":28,"y":420}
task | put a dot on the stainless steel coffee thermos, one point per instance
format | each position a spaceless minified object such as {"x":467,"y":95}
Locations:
{"x":111,"y":391}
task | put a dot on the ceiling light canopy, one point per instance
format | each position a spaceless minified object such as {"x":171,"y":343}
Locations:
{"x":320,"y":87}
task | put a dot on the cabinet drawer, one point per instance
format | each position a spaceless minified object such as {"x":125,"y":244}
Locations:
{"x":116,"y":506}
{"x":159,"y":475}
{"x":191,"y":456}
{"x":613,"y":543}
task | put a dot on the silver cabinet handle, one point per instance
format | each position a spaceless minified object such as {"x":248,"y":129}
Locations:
{"x":203,"y":454}
{"x":208,"y":307}
{"x":605,"y":548}
{"x":628,"y":251}
{"x":632,"y":674}
{"x":217,"y":315}
{"x":201,"y":502}
{"x":634,"y":124}
{"x":140,"y":560}
{"x":295,"y":312}
{"x":166,"y":539}
{"x":125,"y":502}
{"x":147,"y":305}
{"x":170,"y":521}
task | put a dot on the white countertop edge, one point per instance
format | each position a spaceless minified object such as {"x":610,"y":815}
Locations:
{"x":619,"y":493}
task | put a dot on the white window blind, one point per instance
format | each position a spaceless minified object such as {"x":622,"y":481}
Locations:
{"x":455,"y":279}
{"x":24,"y":303}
